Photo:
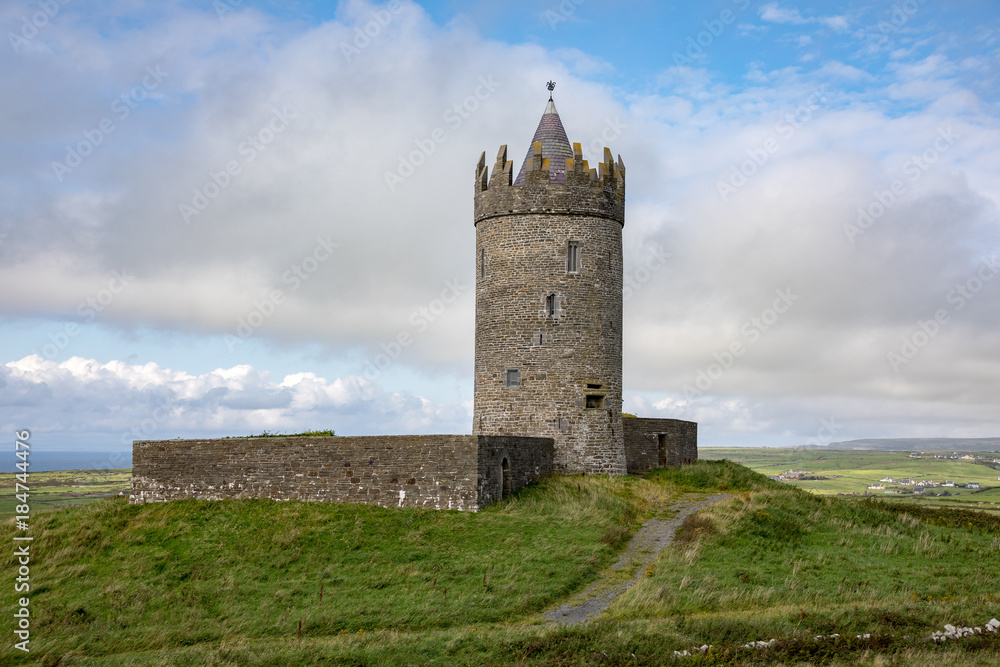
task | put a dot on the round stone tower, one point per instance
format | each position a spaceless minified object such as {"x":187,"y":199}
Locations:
{"x":549,"y":300}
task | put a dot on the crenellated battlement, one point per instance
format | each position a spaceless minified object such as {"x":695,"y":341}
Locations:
{"x":598,"y":191}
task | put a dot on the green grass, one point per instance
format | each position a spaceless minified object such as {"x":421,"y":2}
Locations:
{"x":47,"y":490}
{"x":784,"y":548}
{"x":225,"y":583}
{"x":324,"y":432}
{"x":117,"y":578}
{"x":852,"y":471}
{"x":780,"y":562}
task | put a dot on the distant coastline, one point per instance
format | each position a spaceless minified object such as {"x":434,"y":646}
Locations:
{"x":892,"y":445}
{"x":920,"y":444}
{"x":44,"y":461}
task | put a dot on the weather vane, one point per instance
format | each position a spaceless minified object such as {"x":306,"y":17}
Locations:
{"x":551,"y":85}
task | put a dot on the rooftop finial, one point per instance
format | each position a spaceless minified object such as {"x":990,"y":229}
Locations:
{"x":551,"y":85}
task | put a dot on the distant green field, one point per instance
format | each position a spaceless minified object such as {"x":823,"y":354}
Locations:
{"x":852,"y":471}
{"x":47,"y":490}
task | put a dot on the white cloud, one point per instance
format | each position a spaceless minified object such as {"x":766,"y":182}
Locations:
{"x":82,"y":396}
{"x":838,"y":23}
{"x":581,"y":63}
{"x":752,"y":29}
{"x":838,"y":70}
{"x":356,"y":116}
{"x":775,"y":14}
{"x":772,"y":12}
{"x":785,"y":226}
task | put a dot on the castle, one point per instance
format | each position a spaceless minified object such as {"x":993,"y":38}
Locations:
{"x":549,"y":300}
{"x":548,"y":366}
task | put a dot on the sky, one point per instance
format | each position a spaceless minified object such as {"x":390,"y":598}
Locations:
{"x":217,"y":217}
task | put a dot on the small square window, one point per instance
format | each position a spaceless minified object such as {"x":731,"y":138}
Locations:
{"x":512,"y":378}
{"x":594,"y":401}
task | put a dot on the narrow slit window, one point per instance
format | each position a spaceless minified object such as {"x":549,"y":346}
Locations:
{"x":482,"y":263}
{"x":512,"y":378}
{"x":550,"y":305}
{"x":573,"y":257}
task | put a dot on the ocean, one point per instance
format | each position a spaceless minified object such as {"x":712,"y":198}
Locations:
{"x":42,"y":460}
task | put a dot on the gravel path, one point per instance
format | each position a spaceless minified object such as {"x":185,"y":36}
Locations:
{"x":640,"y":552}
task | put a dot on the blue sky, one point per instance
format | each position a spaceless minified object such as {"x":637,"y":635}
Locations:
{"x":845,"y":155}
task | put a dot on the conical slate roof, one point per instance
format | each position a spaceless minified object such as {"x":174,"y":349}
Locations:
{"x":555,"y":146}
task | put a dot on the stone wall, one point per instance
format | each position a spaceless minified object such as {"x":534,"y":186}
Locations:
{"x":527,"y":460}
{"x":567,"y":352}
{"x":435,"y":471}
{"x":659,"y":443}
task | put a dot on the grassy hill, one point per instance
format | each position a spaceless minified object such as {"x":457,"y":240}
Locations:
{"x":228,"y":582}
{"x":851,"y":472}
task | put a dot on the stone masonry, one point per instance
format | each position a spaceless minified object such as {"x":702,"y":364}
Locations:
{"x":462,"y":472}
{"x":549,"y":304}
{"x":659,"y":443}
